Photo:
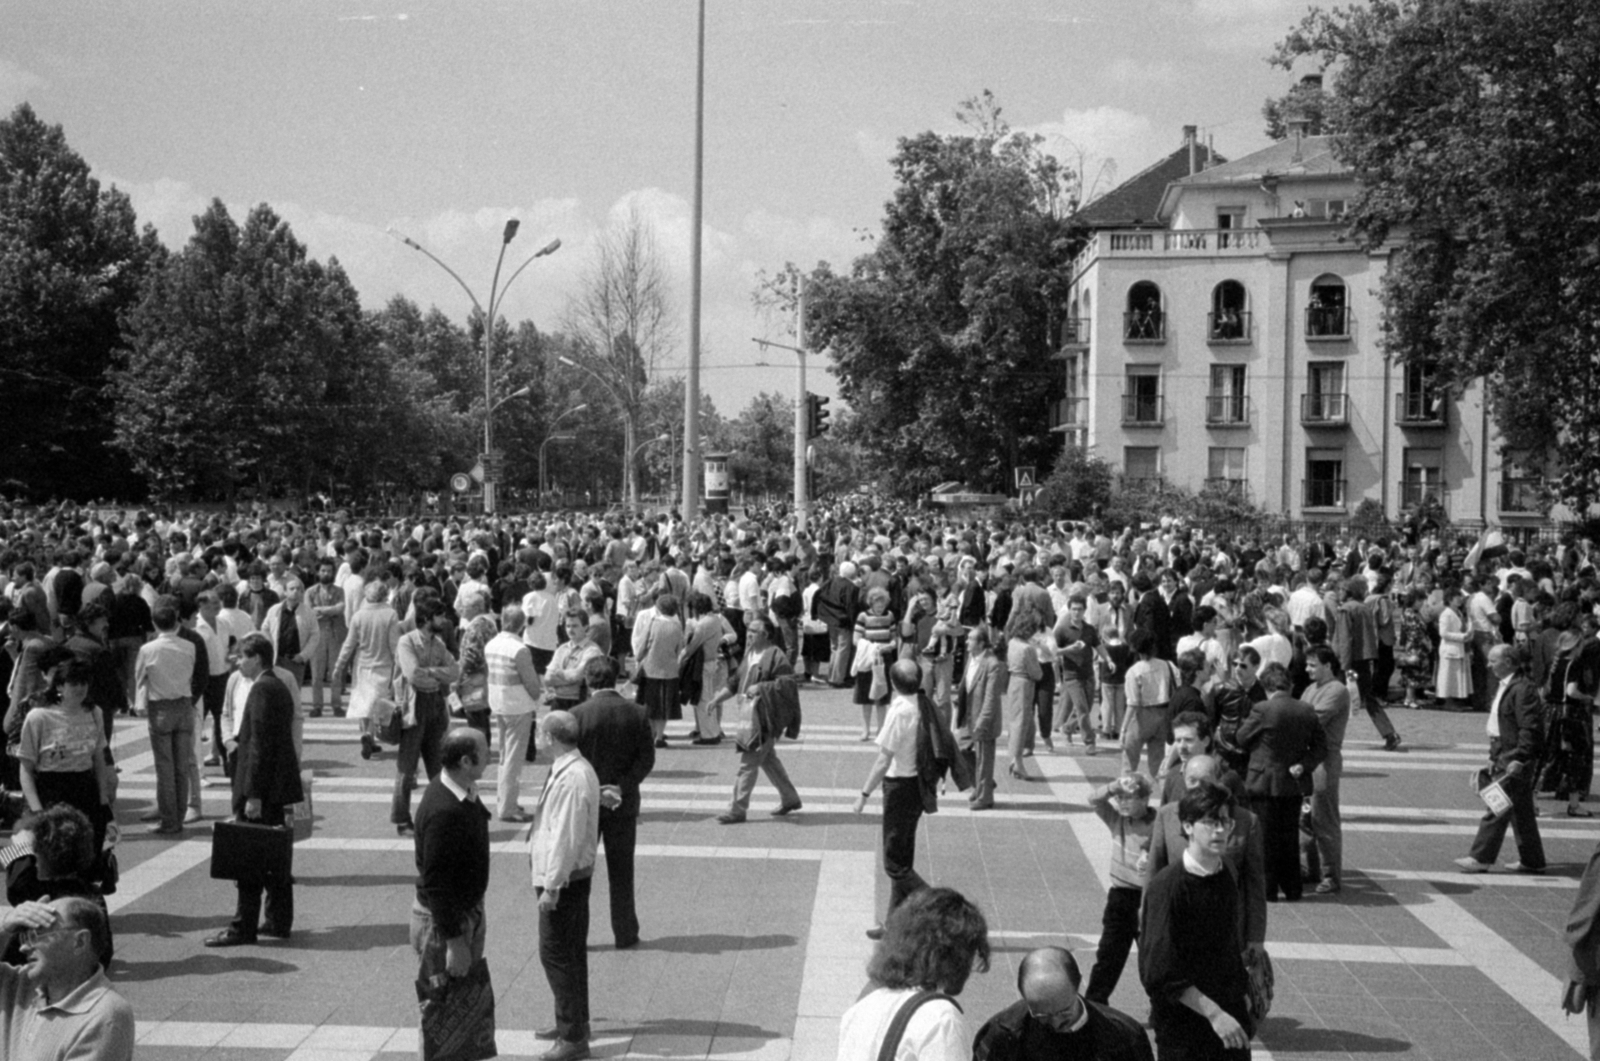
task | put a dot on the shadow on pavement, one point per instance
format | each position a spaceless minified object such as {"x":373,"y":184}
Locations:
{"x":717,"y":943}
{"x":241,"y":960}
{"x":357,"y":880}
{"x":167,"y":926}
{"x":1284,"y":1035}
{"x":701,"y":1029}
{"x":356,"y":937}
{"x":325,"y":764}
{"x":681,"y":775}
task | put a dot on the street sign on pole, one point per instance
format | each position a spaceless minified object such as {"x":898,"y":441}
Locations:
{"x":461,"y":482}
{"x":1025,"y":477}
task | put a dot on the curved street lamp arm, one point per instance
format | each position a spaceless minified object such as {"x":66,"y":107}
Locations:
{"x":548,"y":248}
{"x":414,"y":245}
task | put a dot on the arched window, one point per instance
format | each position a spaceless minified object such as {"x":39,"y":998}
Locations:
{"x":1229,"y":320}
{"x":1328,"y":312}
{"x":1144,"y":321}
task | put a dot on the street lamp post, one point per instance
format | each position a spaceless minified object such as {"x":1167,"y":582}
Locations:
{"x":542,"y":479}
{"x":496,"y":294}
{"x":629,"y":484}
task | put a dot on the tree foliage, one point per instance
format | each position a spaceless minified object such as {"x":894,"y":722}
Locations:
{"x":71,"y":261}
{"x":1078,"y":487}
{"x":239,"y":367}
{"x":941,"y":335}
{"x":1476,"y":129}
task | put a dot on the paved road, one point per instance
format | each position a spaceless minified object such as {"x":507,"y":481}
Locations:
{"x":753,"y":934}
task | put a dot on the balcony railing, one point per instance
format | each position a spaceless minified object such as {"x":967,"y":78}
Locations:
{"x":1415,"y":493}
{"x":1142,"y":410}
{"x":1144,"y":326}
{"x":1230,"y":326}
{"x":1075,"y":332}
{"x":1420,"y":408}
{"x":1239,"y":488}
{"x":1522,"y":494}
{"x":1325,"y":410}
{"x":1227,"y":410}
{"x":1327,"y":322}
{"x":1141,"y":481}
{"x":1069,"y":414}
{"x":1322,"y":493}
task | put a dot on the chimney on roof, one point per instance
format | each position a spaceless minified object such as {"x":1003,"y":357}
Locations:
{"x":1189,"y":138}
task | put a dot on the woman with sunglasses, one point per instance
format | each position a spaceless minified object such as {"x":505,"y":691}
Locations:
{"x":1239,"y":691}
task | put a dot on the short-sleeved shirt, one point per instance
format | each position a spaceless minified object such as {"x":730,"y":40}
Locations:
{"x":61,"y":741}
{"x":91,"y":1021}
{"x":898,"y":736}
{"x":936,"y":1031}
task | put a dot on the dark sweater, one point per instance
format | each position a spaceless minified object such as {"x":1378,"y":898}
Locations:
{"x":452,"y":856}
{"x":1108,"y":1035}
{"x":1189,"y":938}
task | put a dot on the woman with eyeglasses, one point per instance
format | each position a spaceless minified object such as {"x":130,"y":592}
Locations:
{"x":1189,"y":955}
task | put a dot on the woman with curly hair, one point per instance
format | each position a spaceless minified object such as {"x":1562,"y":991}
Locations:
{"x":932,"y":942}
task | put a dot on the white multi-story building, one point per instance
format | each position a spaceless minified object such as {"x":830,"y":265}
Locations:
{"x":1223,"y":329}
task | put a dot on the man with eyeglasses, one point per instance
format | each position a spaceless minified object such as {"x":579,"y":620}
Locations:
{"x":1235,"y":698}
{"x":60,"y":1005}
{"x":1053,"y":1022}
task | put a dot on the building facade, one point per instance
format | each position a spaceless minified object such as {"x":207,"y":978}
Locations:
{"x":1231,"y":336}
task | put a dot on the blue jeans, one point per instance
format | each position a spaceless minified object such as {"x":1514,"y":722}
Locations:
{"x":172,"y":747}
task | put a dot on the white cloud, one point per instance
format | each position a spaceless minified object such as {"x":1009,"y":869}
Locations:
{"x":380,"y":266}
{"x":16,"y":84}
{"x":1089,"y":138}
{"x":875,"y":147}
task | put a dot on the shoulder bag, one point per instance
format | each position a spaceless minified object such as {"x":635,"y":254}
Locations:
{"x":902,"y":1020}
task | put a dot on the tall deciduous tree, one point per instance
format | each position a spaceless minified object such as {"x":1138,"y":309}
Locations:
{"x":1476,"y":129}
{"x":70,"y":262}
{"x":941,"y":336}
{"x":621,"y":320}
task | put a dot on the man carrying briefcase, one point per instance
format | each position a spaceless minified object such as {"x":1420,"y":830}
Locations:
{"x":266,"y":780}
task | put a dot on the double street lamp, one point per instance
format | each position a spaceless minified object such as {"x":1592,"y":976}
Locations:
{"x":496,"y":295}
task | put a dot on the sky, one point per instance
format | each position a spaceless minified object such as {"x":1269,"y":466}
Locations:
{"x":443,"y":119}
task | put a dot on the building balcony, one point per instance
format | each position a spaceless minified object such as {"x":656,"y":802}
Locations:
{"x":1421,"y":408}
{"x":1417,"y":494}
{"x":1144,"y":326}
{"x":1187,"y":243}
{"x":1325,"y":410}
{"x":1227,"y":410}
{"x":1327,"y":323}
{"x":1326,"y":494}
{"x":1142,"y":410}
{"x":1075,"y":333}
{"x":1229,"y":327}
{"x":1239,"y":488}
{"x":1140,"y":481}
{"x":1069,"y":414}
{"x":1523,"y":495}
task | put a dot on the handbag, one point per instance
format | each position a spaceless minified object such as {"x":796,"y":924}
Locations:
{"x":298,"y":816}
{"x":1258,"y":992}
{"x":458,"y":1015}
{"x":251,"y":851}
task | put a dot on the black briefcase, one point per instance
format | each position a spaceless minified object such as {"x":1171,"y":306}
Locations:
{"x":250,"y":851}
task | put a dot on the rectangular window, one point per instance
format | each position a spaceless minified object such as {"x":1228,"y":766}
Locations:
{"x":1141,"y":462}
{"x":1225,"y":463}
{"x":1325,"y":401}
{"x":1324,"y":483}
{"x":1423,"y":480}
{"x":1230,"y":219}
{"x":1329,"y":209}
{"x":1141,"y":401}
{"x":1226,"y":404}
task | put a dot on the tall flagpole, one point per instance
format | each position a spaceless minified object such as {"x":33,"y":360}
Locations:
{"x":691,"y":390}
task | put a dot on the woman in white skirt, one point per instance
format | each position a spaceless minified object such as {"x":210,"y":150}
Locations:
{"x":370,"y":646}
{"x":1453,"y":684}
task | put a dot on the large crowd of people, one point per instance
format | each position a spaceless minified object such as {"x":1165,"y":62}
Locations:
{"x":1222,"y":671}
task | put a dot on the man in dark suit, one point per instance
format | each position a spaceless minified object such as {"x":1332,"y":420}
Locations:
{"x":835,"y":605}
{"x":1285,"y":743}
{"x":614,"y":736}
{"x":266,"y":780}
{"x":1180,"y":610}
{"x":1515,"y":731}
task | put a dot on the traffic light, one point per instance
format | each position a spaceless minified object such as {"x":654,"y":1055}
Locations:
{"x":816,"y":415}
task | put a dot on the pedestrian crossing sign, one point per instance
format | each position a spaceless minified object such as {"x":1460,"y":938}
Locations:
{"x":1025,"y":478}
